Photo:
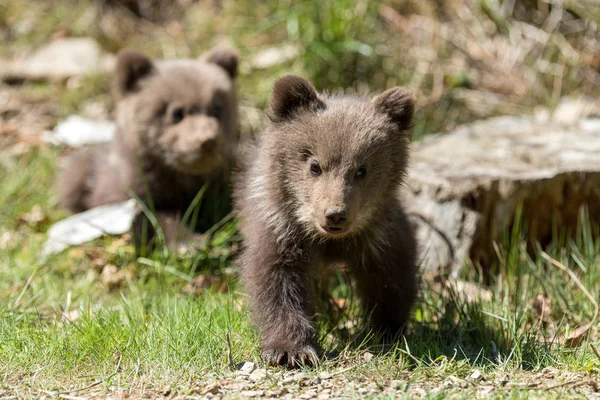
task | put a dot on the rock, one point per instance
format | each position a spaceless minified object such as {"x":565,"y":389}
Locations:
{"x":258,"y":375}
{"x":76,"y":131}
{"x":246,"y":368}
{"x":272,"y":56}
{"x":476,"y":375}
{"x":324,"y":375}
{"x":309,"y":394}
{"x":300,"y":377}
{"x":396,"y":384}
{"x":252,"y":393}
{"x":112,"y":219}
{"x":464,"y":188}
{"x":60,"y":59}
{"x":212,"y":388}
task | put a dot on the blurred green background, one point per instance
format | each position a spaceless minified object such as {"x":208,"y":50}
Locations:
{"x":465,"y":59}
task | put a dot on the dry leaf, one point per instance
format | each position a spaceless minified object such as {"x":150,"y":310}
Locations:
{"x":116,"y":357}
{"x":339,"y":303}
{"x":35,"y":216}
{"x":8,"y":240}
{"x":367,"y":356}
{"x":112,"y":277}
{"x":118,"y":242}
{"x":577,"y":337}
{"x":96,"y":256}
{"x":201,"y":283}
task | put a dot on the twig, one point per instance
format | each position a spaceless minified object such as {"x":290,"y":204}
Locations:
{"x":229,"y":357}
{"x":341,"y":371}
{"x":98,"y":382}
{"x":18,"y":300}
{"x":437,"y":230}
{"x":595,"y":351}
{"x":575,"y":382}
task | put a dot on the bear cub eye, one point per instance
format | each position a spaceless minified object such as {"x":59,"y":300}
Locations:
{"x":315,"y":169}
{"x":177,"y":115}
{"x":216,"y":110}
{"x":360,"y":173}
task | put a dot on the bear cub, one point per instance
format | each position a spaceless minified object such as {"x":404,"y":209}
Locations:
{"x":321,"y":186}
{"x":177,"y":130}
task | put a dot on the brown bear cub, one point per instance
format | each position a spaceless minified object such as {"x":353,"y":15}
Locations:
{"x":177,"y":130}
{"x":320,"y":187}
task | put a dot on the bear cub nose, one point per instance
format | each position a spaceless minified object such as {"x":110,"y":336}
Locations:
{"x":335,"y":216}
{"x":209,"y":145}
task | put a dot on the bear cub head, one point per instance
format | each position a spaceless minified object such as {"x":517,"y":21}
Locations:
{"x":179,"y":114}
{"x":336,"y":160}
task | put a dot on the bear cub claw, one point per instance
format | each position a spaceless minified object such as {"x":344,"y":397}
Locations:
{"x":306,"y":355}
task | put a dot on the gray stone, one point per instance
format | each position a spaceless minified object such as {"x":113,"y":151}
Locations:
{"x":258,"y":375}
{"x":246,"y":368}
{"x":58,"y":60}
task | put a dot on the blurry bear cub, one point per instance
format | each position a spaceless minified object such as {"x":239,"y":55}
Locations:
{"x":177,"y":130}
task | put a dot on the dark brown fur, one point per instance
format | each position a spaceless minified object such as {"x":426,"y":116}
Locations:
{"x":321,"y":186}
{"x":177,"y":130}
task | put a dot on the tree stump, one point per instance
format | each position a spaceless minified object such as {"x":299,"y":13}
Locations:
{"x":464,"y":188}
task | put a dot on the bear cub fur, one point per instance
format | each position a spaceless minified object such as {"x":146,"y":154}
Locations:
{"x":177,"y":130}
{"x":321,"y":186}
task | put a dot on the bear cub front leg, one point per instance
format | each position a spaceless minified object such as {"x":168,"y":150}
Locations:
{"x":283,"y":309}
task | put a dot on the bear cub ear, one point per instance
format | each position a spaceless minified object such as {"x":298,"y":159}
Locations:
{"x":131,"y":68}
{"x":225,"y":57}
{"x":291,"y":94}
{"x":398,"y":104}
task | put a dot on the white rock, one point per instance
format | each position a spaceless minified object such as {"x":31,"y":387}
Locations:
{"x":77,"y":131}
{"x":112,"y":219}
{"x":246,"y":368}
{"x":61,"y":59}
{"x":476,"y":375}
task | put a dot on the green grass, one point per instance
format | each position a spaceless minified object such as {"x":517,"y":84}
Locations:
{"x":491,"y":58}
{"x":64,"y":328}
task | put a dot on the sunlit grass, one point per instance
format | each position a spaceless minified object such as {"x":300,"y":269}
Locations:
{"x":63,"y":327}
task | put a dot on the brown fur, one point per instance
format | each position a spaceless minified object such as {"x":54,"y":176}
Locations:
{"x":321,"y":186}
{"x":177,"y":128}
